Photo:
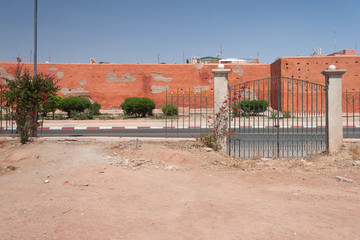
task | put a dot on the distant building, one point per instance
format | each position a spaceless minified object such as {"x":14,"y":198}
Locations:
{"x":346,"y":52}
{"x":217,"y":60}
{"x":232,"y":60}
{"x":206,"y":60}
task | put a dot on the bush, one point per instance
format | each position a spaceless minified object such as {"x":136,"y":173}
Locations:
{"x":209,"y":140}
{"x":259,"y":106}
{"x":26,"y":93}
{"x":170,"y":110}
{"x":250,"y":107}
{"x":140,"y":107}
{"x":77,"y":104}
{"x":51,"y":106}
{"x":85,"y":115}
{"x":287,"y":114}
{"x":95,"y":108}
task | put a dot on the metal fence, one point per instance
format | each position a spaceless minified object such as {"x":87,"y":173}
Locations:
{"x":195,"y":110}
{"x":6,"y":114}
{"x":351,"y":113}
{"x":292,"y":124}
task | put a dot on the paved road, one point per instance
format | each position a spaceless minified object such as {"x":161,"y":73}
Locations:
{"x":179,"y":133}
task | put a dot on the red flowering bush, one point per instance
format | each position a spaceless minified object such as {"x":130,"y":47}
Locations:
{"x":220,"y":130}
{"x":26,"y":94}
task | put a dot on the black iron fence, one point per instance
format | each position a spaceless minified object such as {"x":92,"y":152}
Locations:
{"x":278,"y":116}
{"x":6,"y":114}
{"x":351,"y":113}
{"x":192,"y":114}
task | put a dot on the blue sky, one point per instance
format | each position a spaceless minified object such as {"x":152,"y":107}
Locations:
{"x":140,"y":31}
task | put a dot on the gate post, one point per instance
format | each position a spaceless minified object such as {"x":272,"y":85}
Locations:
{"x":220,"y":95}
{"x":334,"y":127}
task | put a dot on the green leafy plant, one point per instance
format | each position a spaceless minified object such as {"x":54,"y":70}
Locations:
{"x":209,"y":140}
{"x":51,"y":106}
{"x":95,"y":108}
{"x":85,"y":115}
{"x":60,"y":116}
{"x":287,"y":114}
{"x":170,"y":110}
{"x":220,"y":130}
{"x":259,"y":106}
{"x":26,"y":94}
{"x":138,"y":107}
{"x":274,"y":114}
{"x":249,"y":107}
{"x":77,"y":104}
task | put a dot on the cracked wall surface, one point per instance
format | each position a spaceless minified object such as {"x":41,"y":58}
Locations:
{"x":159,"y":88}
{"x":126,"y":77}
{"x":77,"y":92}
{"x":110,"y":84}
{"x":160,"y":77}
{"x":53,"y":68}
{"x":60,"y":74}
{"x":198,"y":89}
{"x":239,"y":70}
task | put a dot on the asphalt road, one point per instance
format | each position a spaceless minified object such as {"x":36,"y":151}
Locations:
{"x":180,"y":133}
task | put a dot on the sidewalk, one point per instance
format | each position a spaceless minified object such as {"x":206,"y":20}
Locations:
{"x":175,"y":123}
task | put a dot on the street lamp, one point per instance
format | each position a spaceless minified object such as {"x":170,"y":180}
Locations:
{"x":35,"y":36}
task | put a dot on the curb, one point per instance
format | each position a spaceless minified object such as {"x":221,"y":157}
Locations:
{"x":146,"y":127}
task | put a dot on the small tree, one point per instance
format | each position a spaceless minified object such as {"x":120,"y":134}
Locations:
{"x":170,"y":110}
{"x":51,"y":106}
{"x":77,"y":104}
{"x":140,"y":107}
{"x":26,"y":94}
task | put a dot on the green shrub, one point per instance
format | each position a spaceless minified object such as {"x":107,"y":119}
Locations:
{"x":246,"y":105}
{"x":209,"y":140}
{"x":259,"y":106}
{"x":85,"y":115}
{"x":287,"y":114}
{"x":251,"y":107}
{"x":170,"y":110}
{"x":77,"y":104}
{"x":236,"y":109}
{"x":139,"y":107}
{"x":95,"y":108}
{"x":51,"y":106}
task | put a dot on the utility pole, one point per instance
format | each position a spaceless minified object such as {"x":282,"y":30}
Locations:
{"x":35,"y":37}
{"x":33,"y":132}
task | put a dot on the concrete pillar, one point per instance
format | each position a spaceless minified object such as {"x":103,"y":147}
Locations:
{"x":334,"y":128}
{"x":221,"y":84}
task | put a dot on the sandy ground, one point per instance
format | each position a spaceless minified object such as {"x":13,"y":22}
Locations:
{"x":92,"y":189}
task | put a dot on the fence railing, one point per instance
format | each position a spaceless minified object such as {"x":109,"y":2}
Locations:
{"x":195,"y":111}
{"x":351,"y":113}
{"x":280,"y":116}
{"x":6,"y":114}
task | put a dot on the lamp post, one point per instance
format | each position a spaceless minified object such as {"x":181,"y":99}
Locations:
{"x":35,"y":36}
{"x":33,"y":132}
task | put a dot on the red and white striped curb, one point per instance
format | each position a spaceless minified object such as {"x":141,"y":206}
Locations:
{"x":164,"y":127}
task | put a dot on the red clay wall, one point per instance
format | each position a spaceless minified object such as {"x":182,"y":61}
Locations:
{"x":310,"y":68}
{"x":110,"y":84}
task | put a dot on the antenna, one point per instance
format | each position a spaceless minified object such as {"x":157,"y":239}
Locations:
{"x":356,"y":46}
{"x":220,"y":54}
{"x":158,"y":57}
{"x":335,"y":39}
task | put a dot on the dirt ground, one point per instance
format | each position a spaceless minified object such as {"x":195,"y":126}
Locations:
{"x":122,"y":189}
